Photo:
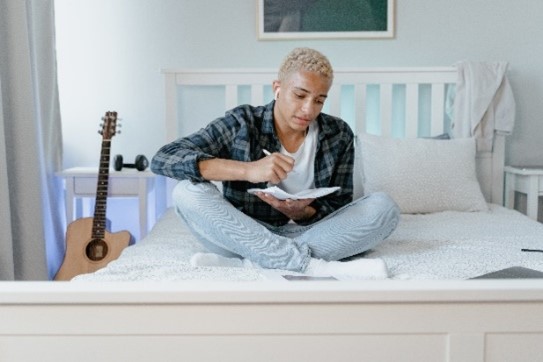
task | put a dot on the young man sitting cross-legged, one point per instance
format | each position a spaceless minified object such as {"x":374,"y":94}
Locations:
{"x":291,"y":144}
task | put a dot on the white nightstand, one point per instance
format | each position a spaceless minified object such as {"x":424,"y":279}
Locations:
{"x":80,"y":182}
{"x":525,"y":179}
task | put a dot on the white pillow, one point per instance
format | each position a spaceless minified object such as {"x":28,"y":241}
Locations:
{"x":422,"y":175}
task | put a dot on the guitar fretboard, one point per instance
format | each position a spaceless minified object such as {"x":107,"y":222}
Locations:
{"x":99,"y":223}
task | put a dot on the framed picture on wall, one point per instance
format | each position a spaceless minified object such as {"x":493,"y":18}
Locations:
{"x":325,"y":19}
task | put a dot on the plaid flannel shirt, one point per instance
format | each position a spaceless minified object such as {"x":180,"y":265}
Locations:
{"x":242,"y":134}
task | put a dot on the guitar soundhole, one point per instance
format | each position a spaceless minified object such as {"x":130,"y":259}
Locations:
{"x":96,"y":250}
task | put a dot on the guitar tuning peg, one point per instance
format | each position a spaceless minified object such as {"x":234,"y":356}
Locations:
{"x":118,"y":132}
{"x":100,"y":132}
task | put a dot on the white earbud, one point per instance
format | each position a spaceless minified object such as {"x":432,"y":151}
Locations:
{"x":276,"y":94}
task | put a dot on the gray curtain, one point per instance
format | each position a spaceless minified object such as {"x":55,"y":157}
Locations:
{"x":31,"y":213}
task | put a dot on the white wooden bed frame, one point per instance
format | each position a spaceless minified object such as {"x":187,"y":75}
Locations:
{"x":476,"y":320}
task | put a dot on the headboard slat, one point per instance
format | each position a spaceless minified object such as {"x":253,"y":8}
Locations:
{"x":257,"y":94}
{"x":427,"y":75}
{"x":221,"y":77}
{"x":334,"y":100}
{"x":411,"y":110}
{"x":385,"y":109}
{"x":231,"y":96}
{"x":360,"y":107}
{"x":437,"y":108}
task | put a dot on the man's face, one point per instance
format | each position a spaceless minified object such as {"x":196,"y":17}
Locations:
{"x":300,"y":99}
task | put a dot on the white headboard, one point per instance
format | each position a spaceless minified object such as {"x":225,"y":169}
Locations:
{"x":414,"y":95}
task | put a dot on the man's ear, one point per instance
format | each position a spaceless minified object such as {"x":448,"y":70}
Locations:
{"x":276,"y":87}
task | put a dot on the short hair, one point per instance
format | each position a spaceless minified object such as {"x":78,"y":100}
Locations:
{"x":305,"y":59}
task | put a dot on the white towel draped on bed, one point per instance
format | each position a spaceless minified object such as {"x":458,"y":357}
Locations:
{"x":483,"y":102}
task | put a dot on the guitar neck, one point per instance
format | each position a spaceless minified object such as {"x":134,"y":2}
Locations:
{"x":99,"y":223}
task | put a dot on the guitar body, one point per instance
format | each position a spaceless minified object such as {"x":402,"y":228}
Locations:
{"x":85,"y":254}
{"x":89,"y":246}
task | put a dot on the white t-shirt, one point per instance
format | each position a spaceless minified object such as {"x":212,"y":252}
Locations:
{"x":302,"y":177}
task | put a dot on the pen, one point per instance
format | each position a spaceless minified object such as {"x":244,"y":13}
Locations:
{"x":267,"y":153}
{"x":532,"y":250}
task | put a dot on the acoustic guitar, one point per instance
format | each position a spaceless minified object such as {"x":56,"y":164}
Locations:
{"x":89,"y":246}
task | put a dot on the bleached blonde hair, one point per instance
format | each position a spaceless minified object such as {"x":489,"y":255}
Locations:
{"x":305,"y":59}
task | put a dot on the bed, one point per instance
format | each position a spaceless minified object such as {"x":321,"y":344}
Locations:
{"x":151,"y":303}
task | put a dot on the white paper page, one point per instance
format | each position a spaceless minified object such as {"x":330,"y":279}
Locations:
{"x":305,"y":194}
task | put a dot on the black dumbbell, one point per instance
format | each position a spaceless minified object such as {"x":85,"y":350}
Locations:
{"x":141,"y":163}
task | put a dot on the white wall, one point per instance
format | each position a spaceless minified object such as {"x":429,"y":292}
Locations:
{"x":110,"y":53}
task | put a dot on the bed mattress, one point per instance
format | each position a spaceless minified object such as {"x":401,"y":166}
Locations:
{"x":445,"y":245}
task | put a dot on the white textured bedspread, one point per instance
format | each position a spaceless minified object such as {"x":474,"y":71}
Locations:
{"x":461,"y":245}
{"x":445,"y":245}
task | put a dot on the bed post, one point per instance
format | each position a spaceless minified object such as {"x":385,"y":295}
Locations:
{"x":171,"y":106}
{"x":498,"y":163}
